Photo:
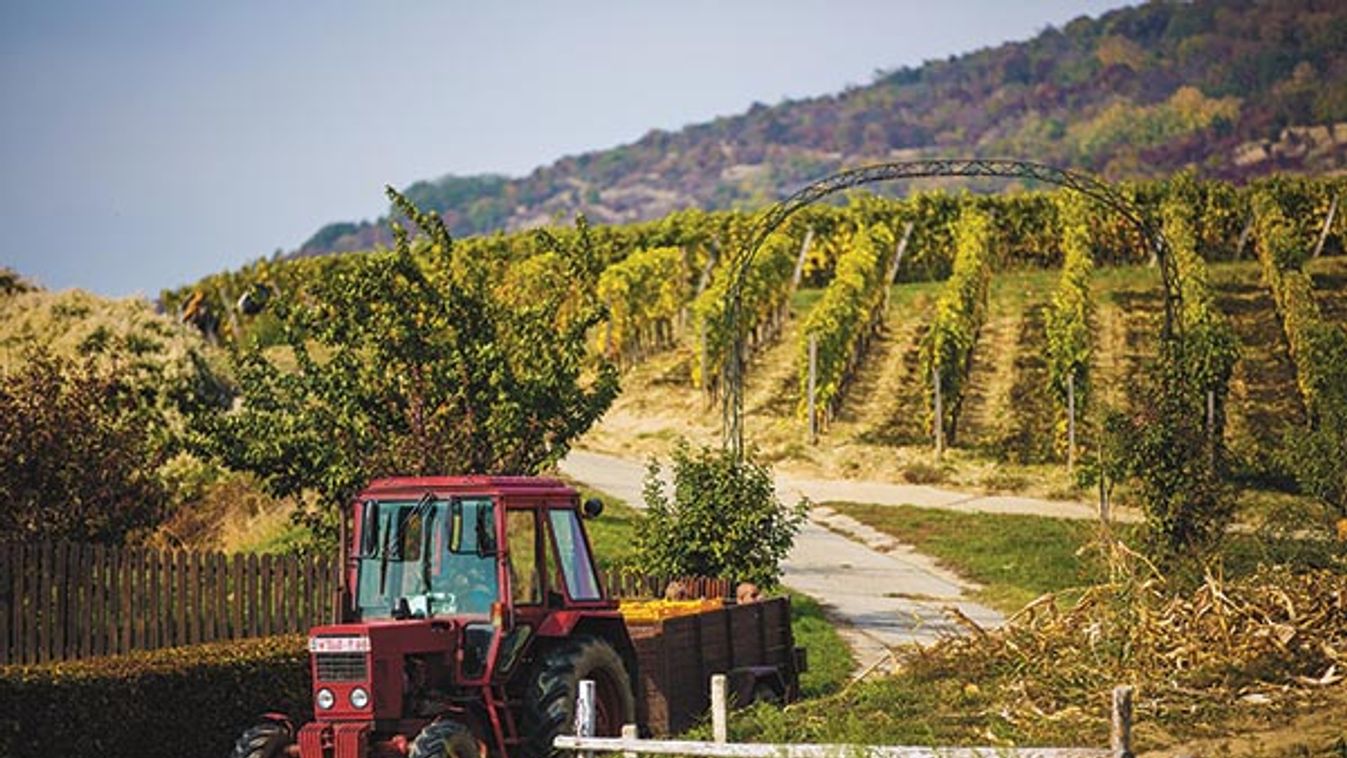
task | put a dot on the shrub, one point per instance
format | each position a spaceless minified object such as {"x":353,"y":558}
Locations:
{"x":1164,"y":446}
{"x":81,"y":450}
{"x":165,"y":703}
{"x":724,"y":519}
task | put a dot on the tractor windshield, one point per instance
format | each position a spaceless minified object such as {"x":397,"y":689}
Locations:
{"x":428,"y":558}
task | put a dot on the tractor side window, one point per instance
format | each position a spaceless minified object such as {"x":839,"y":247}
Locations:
{"x":521,"y":530}
{"x":576,"y":567}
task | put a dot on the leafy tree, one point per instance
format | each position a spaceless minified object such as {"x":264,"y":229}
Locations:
{"x":81,"y":447}
{"x":724,"y":519}
{"x":414,"y":363}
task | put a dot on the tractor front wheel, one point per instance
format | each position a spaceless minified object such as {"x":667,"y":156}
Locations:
{"x":549,"y":707}
{"x":268,"y":739}
{"x":445,"y":739}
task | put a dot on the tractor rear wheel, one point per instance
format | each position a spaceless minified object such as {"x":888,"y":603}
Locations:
{"x":549,"y":706}
{"x":268,"y":739}
{"x":444,"y":739}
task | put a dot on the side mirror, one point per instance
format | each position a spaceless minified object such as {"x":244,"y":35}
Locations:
{"x":369,"y":530}
{"x":591,"y":508}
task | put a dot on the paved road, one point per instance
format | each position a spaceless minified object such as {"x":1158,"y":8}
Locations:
{"x":623,"y":478}
{"x":885,"y":592}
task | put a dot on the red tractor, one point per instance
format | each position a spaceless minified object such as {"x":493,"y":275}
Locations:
{"x":471,"y":610}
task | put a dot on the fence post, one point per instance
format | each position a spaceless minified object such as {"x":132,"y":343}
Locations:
{"x":719,"y":730}
{"x":813,"y":383}
{"x":585,"y":715}
{"x":629,"y":734}
{"x":1120,"y":736}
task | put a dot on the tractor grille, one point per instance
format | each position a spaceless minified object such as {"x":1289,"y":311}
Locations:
{"x":341,"y":667}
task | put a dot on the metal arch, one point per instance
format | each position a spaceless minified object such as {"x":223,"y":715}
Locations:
{"x":733,"y":411}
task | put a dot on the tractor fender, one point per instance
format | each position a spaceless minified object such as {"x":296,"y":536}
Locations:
{"x":607,"y":626}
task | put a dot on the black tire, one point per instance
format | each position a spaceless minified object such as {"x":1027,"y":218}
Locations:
{"x":268,"y":739}
{"x":444,"y":739}
{"x":549,"y":705}
{"x":764,"y":692}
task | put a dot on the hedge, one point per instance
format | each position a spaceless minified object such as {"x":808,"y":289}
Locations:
{"x":170,"y":703}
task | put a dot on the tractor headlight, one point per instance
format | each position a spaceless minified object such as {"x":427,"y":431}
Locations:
{"x":359,"y":697}
{"x":325,"y":699}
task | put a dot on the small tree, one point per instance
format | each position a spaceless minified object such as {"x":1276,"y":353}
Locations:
{"x":412,"y":362}
{"x":724,"y":519}
{"x":81,"y":448}
{"x":1164,"y":447}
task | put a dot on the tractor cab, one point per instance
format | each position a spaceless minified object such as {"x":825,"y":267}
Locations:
{"x":454,"y":589}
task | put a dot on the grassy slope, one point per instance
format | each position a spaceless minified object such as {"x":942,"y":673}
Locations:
{"x":1014,"y":558}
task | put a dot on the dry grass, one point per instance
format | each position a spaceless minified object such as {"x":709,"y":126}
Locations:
{"x":1264,"y":646}
{"x":1209,"y":662}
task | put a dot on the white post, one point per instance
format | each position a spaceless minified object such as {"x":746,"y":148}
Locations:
{"x":1070,"y":421}
{"x":893,"y":267}
{"x":813,"y":384}
{"x":799,"y":261}
{"x":586,"y":715}
{"x":939,"y":416}
{"x":1328,"y":225}
{"x":1120,"y":737}
{"x":719,"y":730}
{"x":1103,"y":484}
{"x":1244,"y":237}
{"x":629,"y":734}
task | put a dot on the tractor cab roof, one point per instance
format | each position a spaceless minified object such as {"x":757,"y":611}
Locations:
{"x":449,"y":486}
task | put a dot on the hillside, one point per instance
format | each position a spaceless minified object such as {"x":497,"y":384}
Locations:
{"x":879,"y":432}
{"x":1233,"y":89}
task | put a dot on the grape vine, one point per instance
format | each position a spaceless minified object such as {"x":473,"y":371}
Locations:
{"x":1070,"y":340}
{"x":959,"y":312}
{"x":845,"y":318}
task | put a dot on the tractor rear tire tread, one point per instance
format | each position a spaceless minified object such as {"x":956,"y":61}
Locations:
{"x":549,"y":707}
{"x":265,"y":740}
{"x":444,"y":739}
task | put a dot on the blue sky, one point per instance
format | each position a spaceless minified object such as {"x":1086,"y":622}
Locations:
{"x":145,"y":143}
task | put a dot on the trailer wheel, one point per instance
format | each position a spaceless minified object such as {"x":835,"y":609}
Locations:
{"x":445,"y":739}
{"x":549,"y":706}
{"x":268,"y":739}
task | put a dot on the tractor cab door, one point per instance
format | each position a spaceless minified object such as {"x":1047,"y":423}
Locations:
{"x":494,"y":645}
{"x":574,"y":578}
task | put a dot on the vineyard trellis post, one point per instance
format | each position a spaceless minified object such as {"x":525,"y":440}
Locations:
{"x":939,"y":418}
{"x":813,"y":386}
{"x":1071,"y":421}
{"x":1328,"y":226}
{"x":732,"y":429}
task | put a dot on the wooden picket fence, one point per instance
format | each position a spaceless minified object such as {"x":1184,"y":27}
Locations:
{"x":64,"y":601}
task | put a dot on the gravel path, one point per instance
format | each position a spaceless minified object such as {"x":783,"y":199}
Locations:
{"x":884,"y":593}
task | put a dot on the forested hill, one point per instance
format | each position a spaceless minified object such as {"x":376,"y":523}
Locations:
{"x":1234,"y":88}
